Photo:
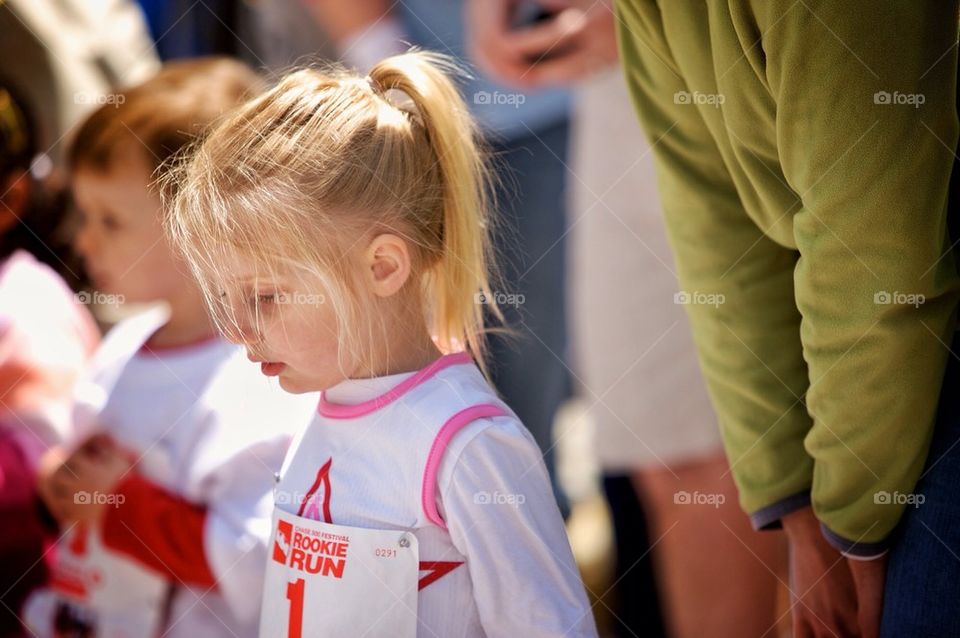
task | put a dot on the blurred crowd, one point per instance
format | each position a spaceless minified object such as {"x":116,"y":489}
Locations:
{"x":601,"y":366}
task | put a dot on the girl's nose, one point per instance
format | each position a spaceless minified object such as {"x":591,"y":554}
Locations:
{"x":241,"y":332}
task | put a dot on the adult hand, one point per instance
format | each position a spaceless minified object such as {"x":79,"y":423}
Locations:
{"x":824,"y":596}
{"x":574,"y":40}
{"x":833,"y":595}
{"x":869,"y":577}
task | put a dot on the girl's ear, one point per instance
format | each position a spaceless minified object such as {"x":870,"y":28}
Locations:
{"x":387,"y":264}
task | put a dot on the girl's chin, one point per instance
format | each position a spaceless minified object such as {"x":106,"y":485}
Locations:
{"x":292,"y":385}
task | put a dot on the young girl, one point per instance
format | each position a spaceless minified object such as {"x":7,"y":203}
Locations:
{"x":416,"y":503}
{"x":164,"y":493}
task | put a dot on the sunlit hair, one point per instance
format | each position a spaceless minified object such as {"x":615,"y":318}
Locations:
{"x":323,"y":163}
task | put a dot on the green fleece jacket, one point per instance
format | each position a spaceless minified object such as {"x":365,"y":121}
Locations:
{"x":804,"y":153}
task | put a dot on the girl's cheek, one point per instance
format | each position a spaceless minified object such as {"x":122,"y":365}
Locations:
{"x":275,"y":337}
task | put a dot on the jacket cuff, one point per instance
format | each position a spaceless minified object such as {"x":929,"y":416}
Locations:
{"x":853,"y":549}
{"x":769,"y":516}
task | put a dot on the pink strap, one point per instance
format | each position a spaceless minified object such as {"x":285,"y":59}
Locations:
{"x":428,"y":495}
{"x":340,"y":411}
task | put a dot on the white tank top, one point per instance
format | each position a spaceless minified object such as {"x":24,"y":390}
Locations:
{"x":438,"y":454}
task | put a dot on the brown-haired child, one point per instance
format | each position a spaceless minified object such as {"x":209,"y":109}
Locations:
{"x":165,"y":491}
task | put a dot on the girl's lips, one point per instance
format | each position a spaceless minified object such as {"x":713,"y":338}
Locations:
{"x":271,"y":368}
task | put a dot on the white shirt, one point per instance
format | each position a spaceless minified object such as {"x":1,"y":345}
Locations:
{"x":503,"y":564}
{"x":212,"y":429}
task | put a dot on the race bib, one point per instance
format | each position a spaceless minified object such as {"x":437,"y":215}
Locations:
{"x":332,"y":580}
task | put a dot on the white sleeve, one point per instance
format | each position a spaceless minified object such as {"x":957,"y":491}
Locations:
{"x":233,"y":473}
{"x":239,"y":501}
{"x":502,"y":515}
{"x":92,"y":389}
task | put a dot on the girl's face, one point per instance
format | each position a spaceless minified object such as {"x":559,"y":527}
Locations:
{"x":288,"y":326}
{"x":120,"y":237}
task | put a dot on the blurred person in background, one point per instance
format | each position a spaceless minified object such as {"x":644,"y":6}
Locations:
{"x":58,"y":60}
{"x":656,"y":434}
{"x":163,"y":488}
{"x":67,"y":56}
{"x":46,"y":339}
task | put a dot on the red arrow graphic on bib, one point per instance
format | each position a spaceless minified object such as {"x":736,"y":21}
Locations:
{"x":309,"y":507}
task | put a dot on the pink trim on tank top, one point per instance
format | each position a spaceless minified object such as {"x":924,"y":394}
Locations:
{"x":342,"y":411}
{"x":463,"y":418}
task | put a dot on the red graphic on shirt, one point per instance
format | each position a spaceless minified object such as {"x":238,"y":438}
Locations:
{"x":310,"y":507}
{"x":436,"y":569}
{"x":74,"y":576}
{"x":317,"y":501}
{"x":281,"y":542}
{"x":78,"y":542}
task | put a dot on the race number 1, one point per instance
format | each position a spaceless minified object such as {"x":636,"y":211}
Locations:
{"x":295,"y":596}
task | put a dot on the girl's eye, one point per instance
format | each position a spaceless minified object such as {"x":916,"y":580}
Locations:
{"x":271,"y":298}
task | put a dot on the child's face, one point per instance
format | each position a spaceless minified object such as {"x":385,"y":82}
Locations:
{"x":120,"y":237}
{"x":288,"y":326}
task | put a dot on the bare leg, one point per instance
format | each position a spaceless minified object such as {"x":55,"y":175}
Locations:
{"x":716,"y":575}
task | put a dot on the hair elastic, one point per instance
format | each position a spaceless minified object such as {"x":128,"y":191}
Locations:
{"x":374,"y":86}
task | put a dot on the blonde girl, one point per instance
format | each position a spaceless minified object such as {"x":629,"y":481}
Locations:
{"x":339,"y":227}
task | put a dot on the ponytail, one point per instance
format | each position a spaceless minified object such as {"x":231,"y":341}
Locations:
{"x":460,"y":286}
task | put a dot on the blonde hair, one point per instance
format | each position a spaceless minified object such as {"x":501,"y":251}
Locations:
{"x":327,"y":159}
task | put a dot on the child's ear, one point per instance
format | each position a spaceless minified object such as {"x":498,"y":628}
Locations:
{"x":387,"y":262}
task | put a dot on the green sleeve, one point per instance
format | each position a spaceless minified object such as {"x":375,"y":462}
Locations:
{"x":748,"y":344}
{"x":822,"y":234}
{"x":866,"y":129}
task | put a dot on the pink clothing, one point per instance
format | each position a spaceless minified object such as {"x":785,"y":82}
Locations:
{"x":46,"y":339}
